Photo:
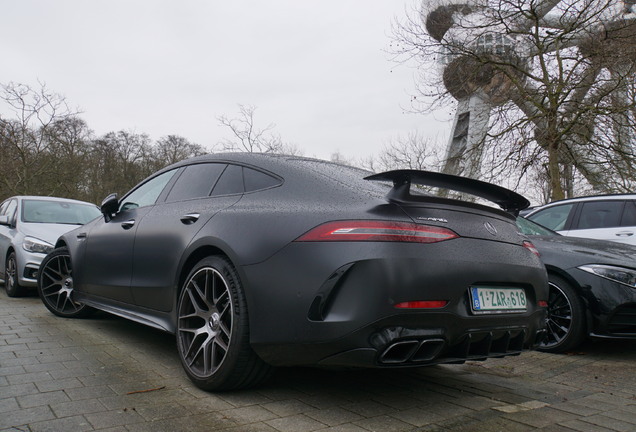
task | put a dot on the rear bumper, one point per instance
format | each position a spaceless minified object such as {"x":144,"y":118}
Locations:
{"x":334,"y":305}
{"x":380,"y":346}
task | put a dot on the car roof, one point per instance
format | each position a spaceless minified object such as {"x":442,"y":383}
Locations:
{"x":607,"y":197}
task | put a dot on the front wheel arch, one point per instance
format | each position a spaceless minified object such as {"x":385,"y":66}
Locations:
{"x":567,"y":322}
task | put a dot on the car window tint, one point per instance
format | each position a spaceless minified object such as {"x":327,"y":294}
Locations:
{"x":552,"y":217}
{"x":3,"y":208}
{"x":629,"y":214}
{"x":600,"y":214}
{"x":195,"y":182}
{"x":231,"y":181}
{"x":256,"y":180}
{"x":147,"y":193}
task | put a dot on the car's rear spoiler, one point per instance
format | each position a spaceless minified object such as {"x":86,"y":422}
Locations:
{"x":508,"y":200}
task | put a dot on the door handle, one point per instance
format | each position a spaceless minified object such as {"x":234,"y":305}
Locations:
{"x":624,"y":233}
{"x":190,"y":218}
{"x":128,"y":224}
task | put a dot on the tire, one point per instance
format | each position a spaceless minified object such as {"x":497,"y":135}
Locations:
{"x":55,"y":286}
{"x":213,"y":329}
{"x":11,"y":283}
{"x":565,"y":322}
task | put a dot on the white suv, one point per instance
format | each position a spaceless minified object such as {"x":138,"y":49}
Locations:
{"x":605,"y":217}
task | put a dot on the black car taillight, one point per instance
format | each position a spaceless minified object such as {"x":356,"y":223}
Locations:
{"x":377,"y":231}
{"x":532,"y":248}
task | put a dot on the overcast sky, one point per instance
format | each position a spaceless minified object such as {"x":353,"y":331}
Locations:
{"x":319,"y":70}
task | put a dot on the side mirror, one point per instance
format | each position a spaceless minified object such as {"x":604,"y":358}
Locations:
{"x":109,"y":206}
{"x":4,"y":220}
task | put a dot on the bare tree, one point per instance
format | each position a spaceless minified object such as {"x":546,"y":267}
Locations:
{"x":558,"y":75}
{"x":247,"y":137}
{"x":409,"y":152}
{"x":25,"y":135}
{"x":173,"y":148}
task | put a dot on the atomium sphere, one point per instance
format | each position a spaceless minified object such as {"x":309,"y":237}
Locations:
{"x":477,"y":55}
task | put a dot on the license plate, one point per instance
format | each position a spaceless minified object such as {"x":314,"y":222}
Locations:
{"x":493,"y":300}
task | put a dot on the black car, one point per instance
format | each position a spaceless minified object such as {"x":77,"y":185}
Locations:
{"x":592,"y":287}
{"x":256,"y":260}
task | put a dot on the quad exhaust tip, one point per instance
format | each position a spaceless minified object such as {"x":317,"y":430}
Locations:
{"x":412,"y":351}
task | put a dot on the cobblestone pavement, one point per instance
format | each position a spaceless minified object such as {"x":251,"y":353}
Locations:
{"x":109,"y":374}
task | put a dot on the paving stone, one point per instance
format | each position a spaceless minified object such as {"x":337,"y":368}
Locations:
{"x":610,"y":423}
{"x":542,"y":417}
{"x":368,"y":408}
{"x":64,"y":384}
{"x":333,"y":416}
{"x":79,"y":393}
{"x":285,"y":408}
{"x":251,"y":414}
{"x":24,"y":416}
{"x":75,"y":424}
{"x":345,"y":428}
{"x":583,"y":426}
{"x":15,"y":390}
{"x":114,"y":418}
{"x":40,"y":399}
{"x":383,"y":423}
{"x":67,"y":409}
{"x":161,"y":412}
{"x":417,"y":416}
{"x":8,"y":404}
{"x":295,"y":423}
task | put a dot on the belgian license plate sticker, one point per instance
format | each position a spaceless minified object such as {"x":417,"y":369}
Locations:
{"x":489,"y":299}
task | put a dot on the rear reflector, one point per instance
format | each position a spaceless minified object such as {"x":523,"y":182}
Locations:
{"x":542,"y":303}
{"x":377,"y":231}
{"x":431,"y":304}
{"x":532,"y":248}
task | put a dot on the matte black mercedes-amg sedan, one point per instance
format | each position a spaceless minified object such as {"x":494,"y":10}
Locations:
{"x":257,"y":260}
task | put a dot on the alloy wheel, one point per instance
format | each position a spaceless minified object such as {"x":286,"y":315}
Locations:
{"x":12,"y":273}
{"x":56,"y":285}
{"x":559,"y":319}
{"x":205,"y":322}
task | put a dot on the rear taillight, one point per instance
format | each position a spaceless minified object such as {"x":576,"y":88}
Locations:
{"x":377,"y":231}
{"x":532,"y":248}
{"x":428,"y":304}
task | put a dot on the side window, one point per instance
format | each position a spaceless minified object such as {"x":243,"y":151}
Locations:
{"x":600,"y":214}
{"x":629,"y":214}
{"x":231,"y":181}
{"x":256,"y":180}
{"x":553,"y":217}
{"x":11,"y":210}
{"x":195,"y":182}
{"x":147,"y":193}
{"x":3,"y":208}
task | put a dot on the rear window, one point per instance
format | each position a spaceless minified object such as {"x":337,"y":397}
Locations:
{"x":257,"y":180}
{"x":553,"y":217}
